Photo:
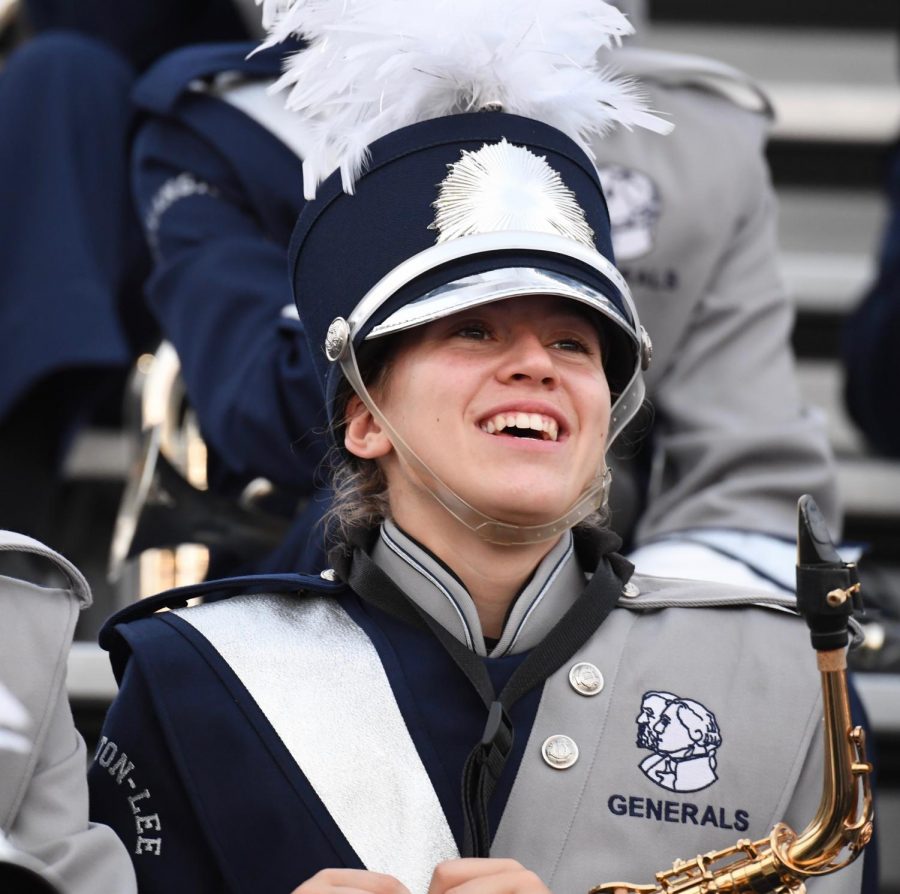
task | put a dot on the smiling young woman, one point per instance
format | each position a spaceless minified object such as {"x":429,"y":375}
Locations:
{"x":507,"y":404}
{"x":454,"y":698}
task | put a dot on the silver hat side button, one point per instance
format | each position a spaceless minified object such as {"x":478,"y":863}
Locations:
{"x":328,"y":574}
{"x":559,"y":752}
{"x":337,"y":339}
{"x":631,"y":590}
{"x":586,"y":678}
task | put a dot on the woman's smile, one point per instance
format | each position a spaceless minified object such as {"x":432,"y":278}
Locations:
{"x":526,"y":421}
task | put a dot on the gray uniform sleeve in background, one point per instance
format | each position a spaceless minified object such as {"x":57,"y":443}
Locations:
{"x":733,"y":444}
{"x":43,"y":793}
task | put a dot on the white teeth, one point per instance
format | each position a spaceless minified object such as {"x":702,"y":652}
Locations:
{"x":534,"y":421}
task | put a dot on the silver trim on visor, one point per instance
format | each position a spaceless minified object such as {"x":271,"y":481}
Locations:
{"x":493,"y":285}
{"x":484,"y":243}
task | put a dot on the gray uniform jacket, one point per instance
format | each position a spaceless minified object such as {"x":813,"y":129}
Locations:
{"x":43,"y":791}
{"x":694,"y":229}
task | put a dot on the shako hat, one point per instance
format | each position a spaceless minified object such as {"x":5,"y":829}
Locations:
{"x":457,"y":140}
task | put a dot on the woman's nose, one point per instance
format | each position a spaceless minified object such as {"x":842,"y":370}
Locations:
{"x":527,"y":358}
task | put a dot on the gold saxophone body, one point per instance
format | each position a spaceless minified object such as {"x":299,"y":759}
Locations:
{"x":827,"y":590}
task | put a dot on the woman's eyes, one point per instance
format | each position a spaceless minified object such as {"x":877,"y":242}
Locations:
{"x":576,"y":345}
{"x":481,"y":331}
{"x":474,"y":331}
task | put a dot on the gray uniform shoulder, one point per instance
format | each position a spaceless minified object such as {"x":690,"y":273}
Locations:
{"x":683,"y":71}
{"x":24,"y":560}
{"x":645,"y":592}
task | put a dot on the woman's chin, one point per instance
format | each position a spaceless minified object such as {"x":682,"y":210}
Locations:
{"x":528,"y":510}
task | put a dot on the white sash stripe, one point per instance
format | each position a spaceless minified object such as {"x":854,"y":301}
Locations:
{"x":320,"y":683}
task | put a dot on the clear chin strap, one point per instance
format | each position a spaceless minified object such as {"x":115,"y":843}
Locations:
{"x":339,"y":347}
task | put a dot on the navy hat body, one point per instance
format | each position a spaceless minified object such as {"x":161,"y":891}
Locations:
{"x":343,"y":245}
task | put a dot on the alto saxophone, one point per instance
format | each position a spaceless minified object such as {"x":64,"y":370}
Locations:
{"x":827,"y":592}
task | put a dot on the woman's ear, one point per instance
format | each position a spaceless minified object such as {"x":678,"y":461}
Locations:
{"x":363,"y":435}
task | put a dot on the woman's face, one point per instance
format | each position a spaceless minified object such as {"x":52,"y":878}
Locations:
{"x":507,"y":403}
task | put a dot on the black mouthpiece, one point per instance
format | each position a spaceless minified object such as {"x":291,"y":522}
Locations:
{"x":827,"y":587}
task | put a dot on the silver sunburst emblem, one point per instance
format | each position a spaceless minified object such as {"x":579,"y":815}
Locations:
{"x":507,"y":187}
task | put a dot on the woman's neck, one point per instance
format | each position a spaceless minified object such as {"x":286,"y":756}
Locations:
{"x":492,"y":574}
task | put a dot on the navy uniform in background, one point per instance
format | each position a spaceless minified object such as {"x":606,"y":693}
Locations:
{"x":70,"y":251}
{"x":142,"y":31}
{"x":72,"y":254}
{"x":871,"y":344}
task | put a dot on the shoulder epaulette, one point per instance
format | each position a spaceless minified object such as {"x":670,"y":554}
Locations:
{"x":217,"y":590}
{"x":10,"y":541}
{"x":683,"y":70}
{"x":647,"y":592}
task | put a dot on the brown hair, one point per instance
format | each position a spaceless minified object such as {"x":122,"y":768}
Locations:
{"x":359,"y":488}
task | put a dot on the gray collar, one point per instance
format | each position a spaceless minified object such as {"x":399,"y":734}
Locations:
{"x":552,"y":589}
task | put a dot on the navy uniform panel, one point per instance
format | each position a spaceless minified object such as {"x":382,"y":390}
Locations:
{"x":175,"y":760}
{"x":141,"y":30}
{"x":136,"y":790}
{"x":69,"y":240}
{"x":219,"y":197}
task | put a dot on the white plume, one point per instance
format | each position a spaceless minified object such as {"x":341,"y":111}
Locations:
{"x":373,"y":66}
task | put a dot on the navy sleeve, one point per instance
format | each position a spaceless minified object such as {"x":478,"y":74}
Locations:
{"x":135,"y":789}
{"x":220,"y":291}
{"x":871,"y":343}
{"x":141,"y":30}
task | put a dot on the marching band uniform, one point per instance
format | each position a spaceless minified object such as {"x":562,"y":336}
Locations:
{"x":73,"y":318}
{"x":59,"y":312}
{"x":262,"y":738}
{"x":217,"y":181}
{"x":43,"y":792}
{"x":80,"y":78}
{"x":141,"y":31}
{"x":295,"y":722}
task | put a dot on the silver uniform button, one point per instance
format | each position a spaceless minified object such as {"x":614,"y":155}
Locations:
{"x":328,"y":574}
{"x":631,"y":590}
{"x":586,"y":678}
{"x":559,"y":752}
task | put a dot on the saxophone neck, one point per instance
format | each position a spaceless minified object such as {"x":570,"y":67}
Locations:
{"x":844,"y":818}
{"x":827,"y":594}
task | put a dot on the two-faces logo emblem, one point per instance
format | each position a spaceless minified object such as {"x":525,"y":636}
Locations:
{"x":683,"y":736}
